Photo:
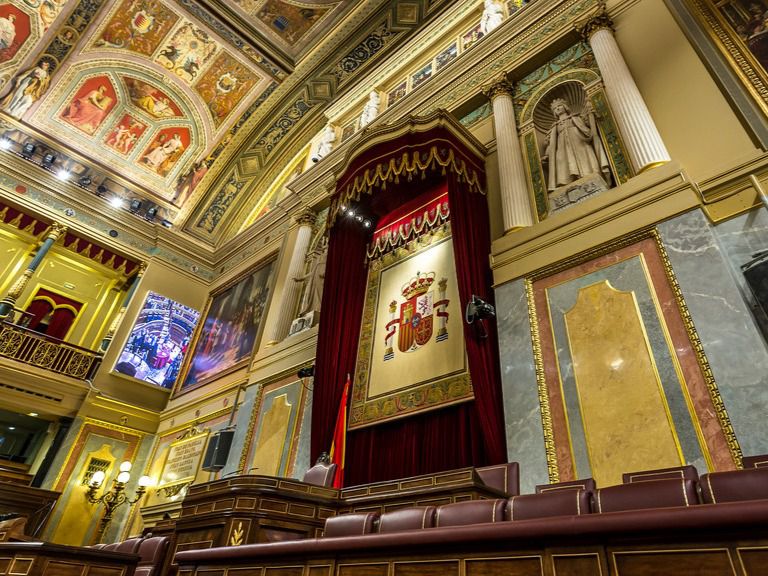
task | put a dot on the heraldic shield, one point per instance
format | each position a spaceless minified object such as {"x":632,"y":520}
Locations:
{"x":415,"y":325}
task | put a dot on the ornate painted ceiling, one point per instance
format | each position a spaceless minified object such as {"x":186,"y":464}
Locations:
{"x":188,"y":107}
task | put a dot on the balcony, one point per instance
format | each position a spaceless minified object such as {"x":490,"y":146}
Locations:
{"x":41,"y":351}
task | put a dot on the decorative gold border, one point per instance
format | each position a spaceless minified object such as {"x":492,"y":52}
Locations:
{"x":693,"y":336}
{"x":541,"y":386}
{"x":270,"y":260}
{"x":453,"y":388}
{"x":701,"y":357}
{"x":752,"y":74}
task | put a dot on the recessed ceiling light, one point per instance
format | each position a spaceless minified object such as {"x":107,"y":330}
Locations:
{"x":11,"y":427}
{"x":33,"y":414}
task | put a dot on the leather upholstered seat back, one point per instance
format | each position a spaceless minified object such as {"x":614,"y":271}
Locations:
{"x":587,"y":484}
{"x":321,"y":475}
{"x":413,"y":518}
{"x":503,"y":477}
{"x":470,"y":512}
{"x":350,"y":524}
{"x":572,"y":502}
{"x":639,"y":495}
{"x":734,"y":485}
{"x":676,"y":473}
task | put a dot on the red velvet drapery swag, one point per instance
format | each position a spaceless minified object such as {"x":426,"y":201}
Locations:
{"x":469,"y":434}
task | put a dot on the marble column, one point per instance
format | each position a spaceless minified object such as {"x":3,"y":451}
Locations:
{"x":7,"y":303}
{"x":292,"y":288}
{"x":107,"y":340}
{"x":515,"y":199}
{"x":641,"y":138}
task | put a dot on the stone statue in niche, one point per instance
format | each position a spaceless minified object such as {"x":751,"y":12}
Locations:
{"x":493,"y":16}
{"x":325,"y":145}
{"x":574,"y":159}
{"x":371,"y":109}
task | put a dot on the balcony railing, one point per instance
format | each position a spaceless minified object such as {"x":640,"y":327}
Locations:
{"x":47,"y":353}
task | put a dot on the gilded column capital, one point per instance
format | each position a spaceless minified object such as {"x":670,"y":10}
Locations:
{"x":141,"y":270}
{"x":306,"y":218}
{"x":600,"y":21}
{"x":498,"y":87}
{"x":55,"y":231}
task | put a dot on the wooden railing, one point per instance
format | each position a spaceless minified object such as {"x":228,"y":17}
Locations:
{"x":42,"y":351}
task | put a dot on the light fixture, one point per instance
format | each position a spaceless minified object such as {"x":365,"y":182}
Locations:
{"x":115,"y":496}
{"x":116,"y":202}
{"x":167,"y":223}
{"x":62,"y":174}
{"x":49,"y":159}
{"x":151,"y":213}
{"x":11,"y":427}
{"x":101,"y":190}
{"x":350,"y":213}
{"x":135,"y":206}
{"x":85,"y":181}
{"x":33,"y":414}
{"x":5,"y":143}
{"x":478,"y":310}
{"x":367,"y":223}
{"x":28,"y":149}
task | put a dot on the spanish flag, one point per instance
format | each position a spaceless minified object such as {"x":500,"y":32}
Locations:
{"x":338,"y":447}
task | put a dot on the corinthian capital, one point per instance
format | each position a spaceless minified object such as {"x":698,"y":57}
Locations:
{"x":55,"y":231}
{"x":498,"y":87}
{"x":306,"y":217}
{"x":600,"y":21}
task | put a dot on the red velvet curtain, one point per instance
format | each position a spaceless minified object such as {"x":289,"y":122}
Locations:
{"x":38,"y":309}
{"x":61,"y":322}
{"x":469,"y":434}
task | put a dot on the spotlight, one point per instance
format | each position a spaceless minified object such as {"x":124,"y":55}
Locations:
{"x":85,"y":181}
{"x":359,"y":218}
{"x":351,"y":212}
{"x":5,"y":143}
{"x":343,"y":208}
{"x":167,"y":223}
{"x":63,"y":174}
{"x":306,"y":372}
{"x":367,"y":223}
{"x":116,"y":202}
{"x":28,"y":149}
{"x":49,"y":159}
{"x":135,"y":206}
{"x":151,"y":213}
{"x":101,"y":190}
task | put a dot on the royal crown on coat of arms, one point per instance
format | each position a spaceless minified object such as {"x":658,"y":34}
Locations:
{"x":415,"y":325}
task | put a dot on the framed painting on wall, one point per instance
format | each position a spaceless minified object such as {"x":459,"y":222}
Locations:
{"x":226,"y":338}
{"x":739,"y":29}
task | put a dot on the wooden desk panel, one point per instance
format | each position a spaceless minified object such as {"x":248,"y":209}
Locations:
{"x":43,"y":559}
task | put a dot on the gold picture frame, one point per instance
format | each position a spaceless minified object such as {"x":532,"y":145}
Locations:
{"x":740,"y":45}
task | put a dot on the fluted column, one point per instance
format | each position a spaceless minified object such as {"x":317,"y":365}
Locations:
{"x":292,"y":288}
{"x":7,"y":303}
{"x":107,"y":340}
{"x":641,"y":138}
{"x":515,"y":199}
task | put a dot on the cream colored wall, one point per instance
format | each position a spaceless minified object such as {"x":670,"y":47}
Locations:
{"x":96,"y":287}
{"x":15,"y":251}
{"x":695,"y":121}
{"x":182,"y":288}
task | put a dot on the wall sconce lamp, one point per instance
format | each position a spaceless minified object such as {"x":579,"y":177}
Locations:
{"x":115,"y":497}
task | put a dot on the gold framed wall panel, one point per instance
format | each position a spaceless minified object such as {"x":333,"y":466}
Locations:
{"x":700,"y":400}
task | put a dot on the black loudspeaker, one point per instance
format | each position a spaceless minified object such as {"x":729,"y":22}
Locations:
{"x":757,"y":278}
{"x":217,"y":451}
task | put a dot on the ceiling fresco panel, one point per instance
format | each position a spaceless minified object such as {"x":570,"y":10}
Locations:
{"x":137,"y":26}
{"x":224,"y":86}
{"x":189,"y":49}
{"x":91,"y":104}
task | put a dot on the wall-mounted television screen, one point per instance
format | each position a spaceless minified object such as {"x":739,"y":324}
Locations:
{"x":159,"y":339}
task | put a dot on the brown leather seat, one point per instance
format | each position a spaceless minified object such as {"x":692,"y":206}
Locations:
{"x":503,"y":477}
{"x":350,"y":524}
{"x":570,"y":502}
{"x":677,"y":472}
{"x":760,"y":461}
{"x":638,"y":495}
{"x":587,"y":484}
{"x":735,"y":485}
{"x":321,"y":475}
{"x":413,"y":518}
{"x":153,"y":552}
{"x":470,"y":512}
